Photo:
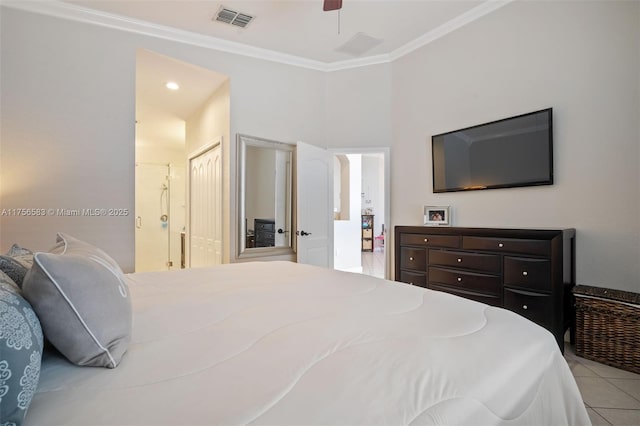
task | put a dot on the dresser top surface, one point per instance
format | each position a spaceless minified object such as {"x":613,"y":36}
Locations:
{"x":526,"y":233}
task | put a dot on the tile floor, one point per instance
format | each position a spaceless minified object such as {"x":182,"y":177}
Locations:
{"x":373,"y":262}
{"x":611,"y":395}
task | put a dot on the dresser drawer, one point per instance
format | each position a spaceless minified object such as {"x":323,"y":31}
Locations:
{"x":459,"y":259}
{"x":264,"y":226}
{"x":508,"y":245}
{"x":266,"y":236}
{"x":426,"y":240}
{"x":413,"y":258}
{"x":414,"y":278}
{"x":537,"y":307}
{"x":484,"y":283}
{"x":534,"y":274}
{"x":489,"y":299}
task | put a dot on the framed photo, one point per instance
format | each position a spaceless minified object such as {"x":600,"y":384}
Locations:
{"x":436,"y":215}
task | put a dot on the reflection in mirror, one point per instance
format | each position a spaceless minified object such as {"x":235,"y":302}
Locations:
{"x":264,"y":197}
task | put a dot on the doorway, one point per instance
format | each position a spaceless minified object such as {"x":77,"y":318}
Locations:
{"x":361,"y":210}
{"x":171,"y":121}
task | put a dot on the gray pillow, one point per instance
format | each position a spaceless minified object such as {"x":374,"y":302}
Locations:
{"x":20,"y":352}
{"x":16,"y":263}
{"x":82,"y":300}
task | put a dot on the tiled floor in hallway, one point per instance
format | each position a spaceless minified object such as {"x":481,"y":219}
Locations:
{"x":373,"y":262}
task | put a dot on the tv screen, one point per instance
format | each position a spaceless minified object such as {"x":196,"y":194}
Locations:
{"x":515,"y":151}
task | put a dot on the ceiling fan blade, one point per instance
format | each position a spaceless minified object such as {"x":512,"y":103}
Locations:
{"x":332,"y":5}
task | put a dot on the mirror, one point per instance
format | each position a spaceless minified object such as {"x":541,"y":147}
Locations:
{"x":264,"y":197}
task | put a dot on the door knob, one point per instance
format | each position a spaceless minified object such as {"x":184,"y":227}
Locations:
{"x":303,"y":233}
{"x":282,"y":231}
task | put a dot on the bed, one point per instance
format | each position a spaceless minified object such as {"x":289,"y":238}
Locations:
{"x":280,"y":343}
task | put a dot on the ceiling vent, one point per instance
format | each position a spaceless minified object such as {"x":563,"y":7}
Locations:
{"x":232,"y":17}
{"x":359,"y":44}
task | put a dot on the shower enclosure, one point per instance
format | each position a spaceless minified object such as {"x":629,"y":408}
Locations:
{"x":160,"y":216}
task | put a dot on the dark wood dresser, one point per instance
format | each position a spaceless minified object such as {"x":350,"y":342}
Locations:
{"x":528,"y":271}
{"x":264,"y":232}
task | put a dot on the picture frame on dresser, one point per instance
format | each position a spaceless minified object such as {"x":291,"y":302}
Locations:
{"x":436,"y":216}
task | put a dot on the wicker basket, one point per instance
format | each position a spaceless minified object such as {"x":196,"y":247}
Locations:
{"x":608,"y":326}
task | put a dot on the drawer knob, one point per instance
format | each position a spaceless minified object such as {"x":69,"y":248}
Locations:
{"x":426,"y":240}
{"x":459,"y":279}
{"x":525,"y":273}
{"x":411,"y":258}
{"x":525,"y":307}
{"x":459,"y":260}
{"x":500,"y":245}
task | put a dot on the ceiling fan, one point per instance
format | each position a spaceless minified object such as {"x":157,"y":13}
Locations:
{"x":332,"y":5}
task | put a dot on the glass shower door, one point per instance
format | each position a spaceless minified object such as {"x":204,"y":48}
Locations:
{"x":152,"y":217}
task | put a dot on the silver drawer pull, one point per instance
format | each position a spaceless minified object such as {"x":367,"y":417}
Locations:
{"x":525,"y":307}
{"x":411,"y":258}
{"x":459,"y":260}
{"x":500,"y":245}
{"x":459,"y":279}
{"x":525,"y":273}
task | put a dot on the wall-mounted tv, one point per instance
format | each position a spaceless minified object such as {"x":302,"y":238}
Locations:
{"x":515,"y":151}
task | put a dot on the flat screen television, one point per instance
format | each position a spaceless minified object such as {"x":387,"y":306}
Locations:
{"x":515,"y":151}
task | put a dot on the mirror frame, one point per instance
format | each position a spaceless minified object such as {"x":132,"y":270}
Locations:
{"x":243,"y":141}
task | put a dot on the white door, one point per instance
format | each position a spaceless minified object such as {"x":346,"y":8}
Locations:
{"x":314,"y":201}
{"x":205,"y":208}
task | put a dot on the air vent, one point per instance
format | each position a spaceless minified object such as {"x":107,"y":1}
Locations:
{"x":232,"y":17}
{"x":359,"y":44}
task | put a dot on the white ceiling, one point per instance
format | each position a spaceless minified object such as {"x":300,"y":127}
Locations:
{"x":299,"y":27}
{"x":161,"y":113}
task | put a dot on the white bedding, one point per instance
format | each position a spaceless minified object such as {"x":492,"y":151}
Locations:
{"x":280,"y":343}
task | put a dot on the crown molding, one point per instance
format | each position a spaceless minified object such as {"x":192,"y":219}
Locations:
{"x":94,"y":17}
{"x":357,"y":63}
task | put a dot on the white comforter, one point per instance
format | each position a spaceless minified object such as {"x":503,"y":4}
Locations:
{"x":280,"y":343}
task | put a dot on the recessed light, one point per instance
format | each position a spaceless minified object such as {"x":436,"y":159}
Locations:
{"x":172,"y":85}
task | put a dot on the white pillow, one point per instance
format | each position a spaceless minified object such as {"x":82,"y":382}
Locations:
{"x":82,"y":300}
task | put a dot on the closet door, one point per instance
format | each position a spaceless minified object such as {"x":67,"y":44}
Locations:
{"x":205,"y":208}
